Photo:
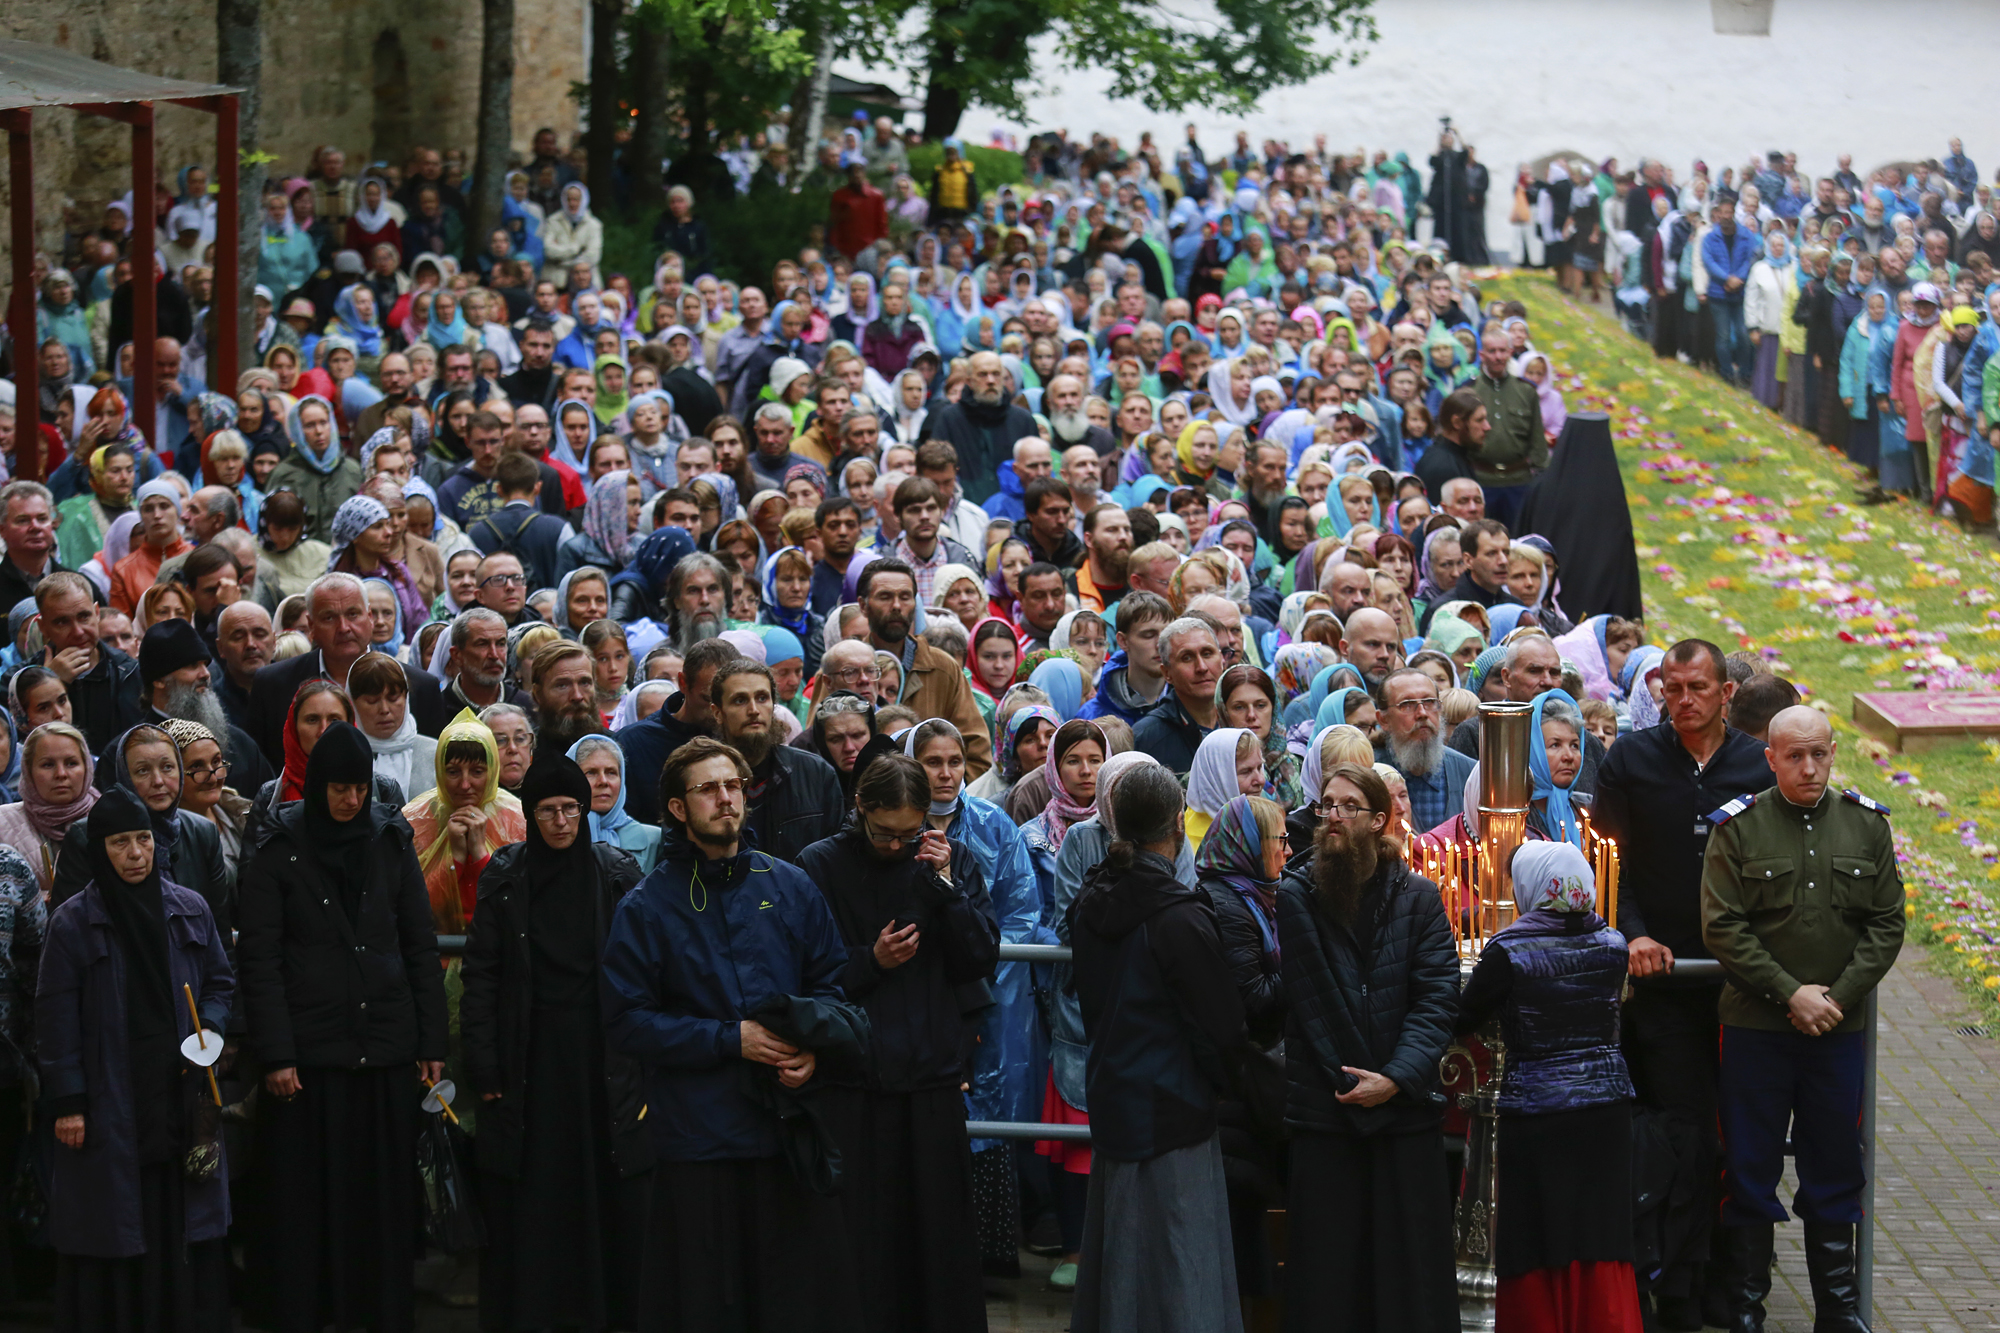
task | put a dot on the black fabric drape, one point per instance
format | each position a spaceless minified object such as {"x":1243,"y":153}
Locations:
{"x":1376,"y":1215}
{"x":174,"y":1287}
{"x":1578,"y":503}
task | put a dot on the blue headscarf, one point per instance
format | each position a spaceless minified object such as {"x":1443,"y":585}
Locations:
{"x":325,"y":463}
{"x":394,"y":647}
{"x":367,"y":338}
{"x":418,"y":486}
{"x":1482,"y":667}
{"x":1558,"y":815}
{"x":1333,"y":709}
{"x":776,"y":614}
{"x":1322,"y":683}
{"x":604,"y":828}
{"x":442,"y":336}
{"x":655,"y":560}
{"x":10,"y":781}
{"x":1062,"y":680}
{"x":1505,"y":618}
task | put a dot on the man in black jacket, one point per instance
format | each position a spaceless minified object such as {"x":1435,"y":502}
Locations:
{"x":1655,"y":793}
{"x":1166,"y":1041}
{"x":338,"y":625}
{"x":794,"y":796}
{"x":1371,"y":980}
{"x":1462,"y":425}
{"x":1174,"y":728}
{"x":982,"y":425}
{"x":103,"y":683}
{"x":687,"y":714}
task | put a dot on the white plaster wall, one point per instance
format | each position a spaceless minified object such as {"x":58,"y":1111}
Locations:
{"x":1623,"y":78}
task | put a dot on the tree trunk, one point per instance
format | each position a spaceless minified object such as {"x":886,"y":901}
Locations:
{"x":815,"y":116}
{"x":605,"y":18}
{"x":496,"y":115}
{"x":649,"y":132}
{"x":696,"y":101}
{"x":239,"y":60}
{"x":944,"y":100}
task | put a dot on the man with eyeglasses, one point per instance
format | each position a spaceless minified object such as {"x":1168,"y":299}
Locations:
{"x":503,"y":588}
{"x":173,"y":674}
{"x":850,"y":666}
{"x":1412,"y":725}
{"x":697,"y":970}
{"x":1373,"y":978}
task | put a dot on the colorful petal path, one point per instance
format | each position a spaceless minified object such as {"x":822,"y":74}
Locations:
{"x":1748,"y":536}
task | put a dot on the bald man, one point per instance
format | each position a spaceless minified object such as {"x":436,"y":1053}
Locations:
{"x":1802,"y":904}
{"x":982,"y":425}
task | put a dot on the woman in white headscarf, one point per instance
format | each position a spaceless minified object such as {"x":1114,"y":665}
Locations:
{"x":1229,"y":386}
{"x":1553,"y":979}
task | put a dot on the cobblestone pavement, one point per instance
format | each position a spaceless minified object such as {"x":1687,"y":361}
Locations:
{"x":1937,"y":1193}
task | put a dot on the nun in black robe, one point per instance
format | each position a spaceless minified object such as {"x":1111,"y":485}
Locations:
{"x":566,"y":1165}
{"x":346,"y":1009}
{"x":137,"y":1220}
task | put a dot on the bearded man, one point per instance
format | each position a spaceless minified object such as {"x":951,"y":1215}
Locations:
{"x":1409,"y":712}
{"x":794,"y":795}
{"x":1371,"y":984}
{"x":565,"y":693}
{"x":1107,"y":536}
{"x":697,"y":601}
{"x":982,"y":425}
{"x":1068,"y":425}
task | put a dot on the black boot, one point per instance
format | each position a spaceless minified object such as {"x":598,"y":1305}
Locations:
{"x":1836,"y":1285}
{"x":1749,"y":1258}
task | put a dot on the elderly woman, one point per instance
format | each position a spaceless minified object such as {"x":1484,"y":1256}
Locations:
{"x":205,"y":790}
{"x":380,"y":688}
{"x":146,"y":762}
{"x":138,"y":1193}
{"x":1553,"y":979}
{"x":514,"y":736}
{"x":462,"y":820}
{"x":346,"y":1010}
{"x":603,"y":766}
{"x":1554,"y":760}
{"x":58,"y":778}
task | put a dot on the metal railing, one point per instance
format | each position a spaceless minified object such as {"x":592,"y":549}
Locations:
{"x":1685,"y":969}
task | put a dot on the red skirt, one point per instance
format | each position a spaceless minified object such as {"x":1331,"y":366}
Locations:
{"x":1582,"y":1298}
{"x":1071,"y":1155}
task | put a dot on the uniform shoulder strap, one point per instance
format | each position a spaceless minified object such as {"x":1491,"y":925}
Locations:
{"x":1732,"y":809}
{"x":1866,"y":803}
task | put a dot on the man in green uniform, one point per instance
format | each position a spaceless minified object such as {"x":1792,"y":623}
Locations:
{"x":1801,"y":902}
{"x":1516,"y":448}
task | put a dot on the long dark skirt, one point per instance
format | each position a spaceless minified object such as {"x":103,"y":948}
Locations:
{"x":1798,"y":383}
{"x":1368,"y":1236}
{"x":1764,"y":384}
{"x":1832,"y":413}
{"x":742,"y":1247}
{"x":911,"y":1229}
{"x":1864,"y":438}
{"x":173,"y":1287}
{"x":337,"y":1227}
{"x":1566,"y":1183}
{"x":564,"y":1240}
{"x":1701,"y":328}
{"x":1156,"y":1247}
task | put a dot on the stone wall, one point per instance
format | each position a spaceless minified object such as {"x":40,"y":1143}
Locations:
{"x":371,"y":76}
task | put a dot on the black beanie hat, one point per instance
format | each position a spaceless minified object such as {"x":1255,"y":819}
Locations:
{"x":167,"y":647}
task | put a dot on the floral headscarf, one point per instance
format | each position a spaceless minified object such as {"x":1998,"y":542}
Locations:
{"x":1233,"y":851}
{"x":1062,"y":813}
{"x":604,"y":515}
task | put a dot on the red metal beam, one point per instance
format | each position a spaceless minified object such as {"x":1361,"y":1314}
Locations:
{"x":223,"y":354}
{"x":21,"y":310}
{"x":132,"y":113}
{"x":145,"y":292}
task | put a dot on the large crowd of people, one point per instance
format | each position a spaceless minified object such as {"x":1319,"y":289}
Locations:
{"x":616,"y":694}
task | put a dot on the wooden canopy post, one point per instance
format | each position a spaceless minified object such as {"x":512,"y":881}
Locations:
{"x":21,"y":309}
{"x":145,"y":282}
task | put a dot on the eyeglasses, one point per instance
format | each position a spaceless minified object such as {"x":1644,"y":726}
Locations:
{"x":1344,"y":810}
{"x":558,"y":814}
{"x":890,"y":840}
{"x":856,"y":673}
{"x":203,"y":772}
{"x":1416,"y":707}
{"x":709,"y":791}
{"x":504,"y":581}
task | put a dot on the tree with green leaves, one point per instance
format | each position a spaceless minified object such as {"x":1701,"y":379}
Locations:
{"x":977,"y":52}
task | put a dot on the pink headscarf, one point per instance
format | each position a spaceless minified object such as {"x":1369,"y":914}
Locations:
{"x":1061,"y":812}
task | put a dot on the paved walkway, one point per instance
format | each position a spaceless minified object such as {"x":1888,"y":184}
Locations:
{"x":1937,"y":1194}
